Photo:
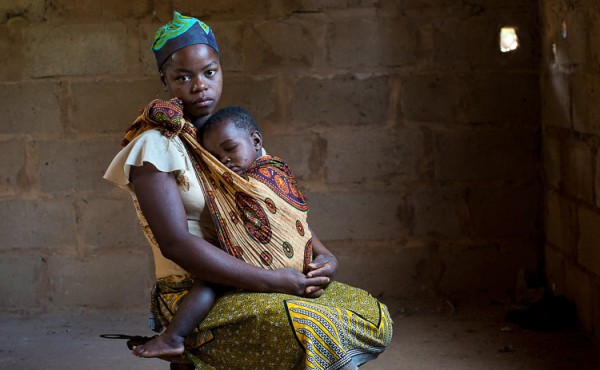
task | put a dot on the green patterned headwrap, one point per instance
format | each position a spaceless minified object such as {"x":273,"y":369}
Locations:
{"x":180,"y":32}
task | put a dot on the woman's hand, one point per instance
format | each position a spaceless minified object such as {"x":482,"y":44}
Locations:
{"x":291,"y":281}
{"x":323,"y":265}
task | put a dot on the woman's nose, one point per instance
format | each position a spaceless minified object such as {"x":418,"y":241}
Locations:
{"x":199,"y":85}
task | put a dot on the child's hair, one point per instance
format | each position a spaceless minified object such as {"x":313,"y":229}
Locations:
{"x":242,"y":119}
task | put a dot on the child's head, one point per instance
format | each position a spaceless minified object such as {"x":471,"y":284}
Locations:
{"x":233,"y":137}
{"x":187,"y":57}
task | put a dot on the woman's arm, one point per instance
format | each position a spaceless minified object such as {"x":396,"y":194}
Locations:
{"x":159,"y":199}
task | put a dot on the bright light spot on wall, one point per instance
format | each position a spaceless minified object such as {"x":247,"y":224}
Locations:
{"x":563,"y":29}
{"x":509,"y":40}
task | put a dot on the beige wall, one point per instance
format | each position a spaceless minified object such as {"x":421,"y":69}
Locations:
{"x":415,"y":140}
{"x":570,"y":83}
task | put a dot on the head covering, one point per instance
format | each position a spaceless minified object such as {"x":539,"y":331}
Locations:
{"x":180,"y":32}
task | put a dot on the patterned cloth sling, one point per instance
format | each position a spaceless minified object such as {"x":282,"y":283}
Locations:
{"x":260,"y":216}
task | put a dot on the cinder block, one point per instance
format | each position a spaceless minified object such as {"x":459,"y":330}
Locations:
{"x":471,"y":8}
{"x":595,"y":307}
{"x":562,"y":224}
{"x":115,"y":280}
{"x":578,"y":287}
{"x":573,"y":49}
{"x":19,"y":115}
{"x":515,"y":98}
{"x":550,"y":15}
{"x":551,"y":159}
{"x":11,"y":43}
{"x":39,"y":223}
{"x":505,"y":211}
{"x":594,"y":39}
{"x":111,"y":223}
{"x":298,"y":156}
{"x":90,"y":10}
{"x":365,"y":156}
{"x":313,"y":6}
{"x":589,"y":234}
{"x":578,"y":169}
{"x":372,"y":42}
{"x":436,"y":211}
{"x":163,"y":11}
{"x":597,"y":180}
{"x":486,"y":154}
{"x":111,"y":106}
{"x":76,"y":49}
{"x":257,"y":96}
{"x":65,"y":165}
{"x":584,"y":106}
{"x":278,"y":45}
{"x":12,"y":160}
{"x":388,"y":270}
{"x":431,"y":98}
{"x":555,"y":271}
{"x":486,"y":268}
{"x":34,"y":10}
{"x":359,"y":101}
{"x":556,"y":100}
{"x":463,"y":98}
{"x":20,"y":281}
{"x":354,"y":216}
{"x":224,"y":9}
{"x":232,"y":44}
{"x":435,"y":270}
{"x":145,"y":39}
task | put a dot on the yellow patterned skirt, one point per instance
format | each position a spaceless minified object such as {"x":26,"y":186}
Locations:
{"x":342,"y":329}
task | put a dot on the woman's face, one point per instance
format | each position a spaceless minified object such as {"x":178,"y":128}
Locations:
{"x":193,"y":74}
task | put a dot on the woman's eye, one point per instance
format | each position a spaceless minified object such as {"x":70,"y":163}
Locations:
{"x":184,"y":78}
{"x":211,"y":72}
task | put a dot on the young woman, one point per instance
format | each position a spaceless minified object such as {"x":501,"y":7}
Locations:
{"x":276,"y":319}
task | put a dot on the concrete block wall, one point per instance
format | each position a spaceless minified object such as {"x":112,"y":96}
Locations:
{"x":414,"y":138}
{"x":570,"y":81}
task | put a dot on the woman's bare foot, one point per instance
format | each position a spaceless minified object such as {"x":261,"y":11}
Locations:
{"x":160,"y":346}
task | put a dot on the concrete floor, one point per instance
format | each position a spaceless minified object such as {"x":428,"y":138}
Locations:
{"x":452,"y":337}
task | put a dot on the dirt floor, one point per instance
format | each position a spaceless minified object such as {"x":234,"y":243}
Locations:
{"x":443,"y":335}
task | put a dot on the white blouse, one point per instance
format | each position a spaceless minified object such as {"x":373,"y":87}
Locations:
{"x":167,"y":155}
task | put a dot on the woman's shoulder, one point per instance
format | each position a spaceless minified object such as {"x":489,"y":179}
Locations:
{"x":151,"y":136}
{"x":151,"y":146}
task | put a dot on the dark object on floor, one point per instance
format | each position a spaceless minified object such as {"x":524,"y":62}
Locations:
{"x":551,"y":313}
{"x":132,"y":340}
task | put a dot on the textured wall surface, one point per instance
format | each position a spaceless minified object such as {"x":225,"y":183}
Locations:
{"x":570,"y":83}
{"x":415,"y":139}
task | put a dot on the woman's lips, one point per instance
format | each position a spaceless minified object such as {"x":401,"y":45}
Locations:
{"x":203,"y":102}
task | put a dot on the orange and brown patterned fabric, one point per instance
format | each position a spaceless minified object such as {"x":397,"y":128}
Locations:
{"x":260,"y":216}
